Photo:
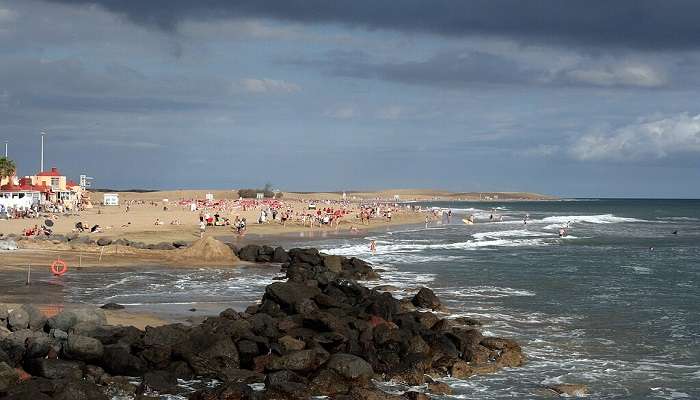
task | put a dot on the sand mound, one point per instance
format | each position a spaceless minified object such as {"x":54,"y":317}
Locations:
{"x":209,"y":249}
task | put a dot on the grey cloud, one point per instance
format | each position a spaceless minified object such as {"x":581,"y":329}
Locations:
{"x":443,"y":69}
{"x":469,"y":68}
{"x":640,"y":24}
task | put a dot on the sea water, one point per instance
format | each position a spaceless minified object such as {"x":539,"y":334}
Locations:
{"x":613,"y":305}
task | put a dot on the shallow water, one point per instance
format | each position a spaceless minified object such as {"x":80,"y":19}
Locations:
{"x":597,"y":307}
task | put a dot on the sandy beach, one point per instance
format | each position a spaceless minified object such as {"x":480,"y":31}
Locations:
{"x":178,"y":223}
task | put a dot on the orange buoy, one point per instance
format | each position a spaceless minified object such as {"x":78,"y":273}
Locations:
{"x":55,"y":267}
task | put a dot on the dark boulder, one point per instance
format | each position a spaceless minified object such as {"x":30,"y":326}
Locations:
{"x":289,"y":294}
{"x":350,"y":367}
{"x":118,"y":360}
{"x":79,"y":390}
{"x":54,"y":368}
{"x":104,"y":241}
{"x":163,"y":382}
{"x":83,"y":348}
{"x":289,"y":383}
{"x":249,"y":253}
{"x":112,"y":306}
{"x":8,"y":377}
{"x":209,"y":355}
{"x":280,"y":256}
{"x":425,"y":298}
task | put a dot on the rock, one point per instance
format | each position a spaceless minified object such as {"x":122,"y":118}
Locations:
{"x":289,"y":344}
{"x":54,"y":368}
{"x":439,"y":388}
{"x":118,"y":360}
{"x":288,"y":294}
{"x":249,"y":253}
{"x":287,"y":382}
{"x":4,"y":332}
{"x":302,"y":360}
{"x":236,"y":375}
{"x":386,"y":288}
{"x":350,"y":367}
{"x":413,"y":395}
{"x":84,"y":348}
{"x":280,"y":256}
{"x":58,"y":334}
{"x":37,"y":319}
{"x":333,"y":263}
{"x":227,"y":391}
{"x":8,"y":245}
{"x":112,"y":306}
{"x":164,"y":246}
{"x":8,"y":377}
{"x":66,"y":320}
{"x":425,"y":298}
{"x":104,"y":241}
{"x":40,"y":346}
{"x":18,"y":319}
{"x":570,"y":389}
{"x":79,"y":390}
{"x":3,"y":312}
{"x":122,"y":242}
{"x":163,"y":382}
{"x":209,"y":355}
{"x":179,"y":244}
{"x":95,"y":374}
{"x":467,"y":321}
{"x":461,"y":370}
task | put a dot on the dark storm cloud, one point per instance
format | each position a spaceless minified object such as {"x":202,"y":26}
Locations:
{"x":640,"y":24}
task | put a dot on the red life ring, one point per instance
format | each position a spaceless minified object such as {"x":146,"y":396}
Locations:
{"x":56,"y":264}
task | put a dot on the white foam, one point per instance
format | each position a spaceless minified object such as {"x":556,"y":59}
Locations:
{"x":492,"y":292}
{"x":516,"y":233}
{"x":590,"y":219}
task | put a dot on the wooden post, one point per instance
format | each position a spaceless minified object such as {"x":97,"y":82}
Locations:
{"x":102,"y":251}
{"x":29,"y":275}
{"x":80,"y":260}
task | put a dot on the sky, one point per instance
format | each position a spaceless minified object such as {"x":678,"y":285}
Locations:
{"x":578,"y":98}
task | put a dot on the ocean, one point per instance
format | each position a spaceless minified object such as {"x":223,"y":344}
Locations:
{"x":613,"y":305}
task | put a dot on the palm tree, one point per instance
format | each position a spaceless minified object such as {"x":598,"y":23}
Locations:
{"x":7,"y":168}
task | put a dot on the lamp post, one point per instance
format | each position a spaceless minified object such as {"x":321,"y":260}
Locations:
{"x":6,"y":148}
{"x":42,"y":151}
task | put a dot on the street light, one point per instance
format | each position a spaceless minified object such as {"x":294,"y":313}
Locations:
{"x":6,"y":148}
{"x":42,"y":151}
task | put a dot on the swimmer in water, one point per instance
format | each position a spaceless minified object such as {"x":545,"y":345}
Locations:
{"x":562,"y":232}
{"x":373,"y":246}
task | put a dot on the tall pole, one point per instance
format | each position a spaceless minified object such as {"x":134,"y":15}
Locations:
{"x":5,"y":148}
{"x":42,"y":151}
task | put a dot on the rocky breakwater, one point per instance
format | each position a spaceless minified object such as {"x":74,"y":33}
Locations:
{"x":318,"y":333}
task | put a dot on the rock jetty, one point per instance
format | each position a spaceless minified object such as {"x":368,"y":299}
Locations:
{"x":317,"y":333}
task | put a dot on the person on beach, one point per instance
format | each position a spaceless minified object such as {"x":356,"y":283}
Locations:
{"x":427,"y":221}
{"x":373,"y":246}
{"x":202,"y":228}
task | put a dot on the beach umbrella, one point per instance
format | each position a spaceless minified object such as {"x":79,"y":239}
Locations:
{"x":48,"y":222}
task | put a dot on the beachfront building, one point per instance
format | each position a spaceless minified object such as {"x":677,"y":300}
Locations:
{"x":63,"y":191}
{"x":23,"y":195}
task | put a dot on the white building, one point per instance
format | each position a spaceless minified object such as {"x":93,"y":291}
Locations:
{"x":111,"y":199}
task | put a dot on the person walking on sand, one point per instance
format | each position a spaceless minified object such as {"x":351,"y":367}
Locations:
{"x":202,"y":228}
